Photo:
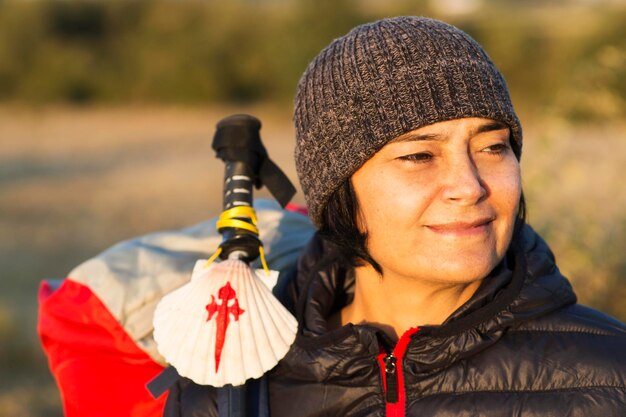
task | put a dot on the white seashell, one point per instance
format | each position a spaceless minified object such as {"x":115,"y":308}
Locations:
{"x":227,"y":299}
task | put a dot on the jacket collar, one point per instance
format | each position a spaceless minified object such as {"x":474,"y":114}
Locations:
{"x":526,"y":286}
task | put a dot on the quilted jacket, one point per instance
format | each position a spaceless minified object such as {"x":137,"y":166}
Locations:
{"x":521,"y":346}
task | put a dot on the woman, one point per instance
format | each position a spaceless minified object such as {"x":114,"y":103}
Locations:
{"x":423,"y":292}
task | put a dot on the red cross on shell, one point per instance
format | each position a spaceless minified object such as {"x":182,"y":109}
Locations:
{"x":223,"y":310}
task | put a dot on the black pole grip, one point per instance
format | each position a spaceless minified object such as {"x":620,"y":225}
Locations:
{"x":238,"y":139}
{"x":238,"y":181}
{"x":238,"y":185}
{"x":238,"y":143}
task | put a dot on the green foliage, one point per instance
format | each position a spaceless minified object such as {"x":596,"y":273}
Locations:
{"x":559,"y":60}
{"x":161,"y":51}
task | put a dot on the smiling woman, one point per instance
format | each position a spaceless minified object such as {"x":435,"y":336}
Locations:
{"x":454,"y":197}
{"x":424,"y":292}
{"x":448,"y":192}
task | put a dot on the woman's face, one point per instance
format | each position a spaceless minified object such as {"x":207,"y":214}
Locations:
{"x":439,"y":203}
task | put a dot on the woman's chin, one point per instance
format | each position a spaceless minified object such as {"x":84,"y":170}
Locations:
{"x":462,"y":269}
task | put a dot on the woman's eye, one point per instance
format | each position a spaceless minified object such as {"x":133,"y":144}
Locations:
{"x":497,"y":149}
{"x":417,"y":157}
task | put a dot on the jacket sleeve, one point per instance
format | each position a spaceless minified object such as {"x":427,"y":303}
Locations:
{"x":187,"y":399}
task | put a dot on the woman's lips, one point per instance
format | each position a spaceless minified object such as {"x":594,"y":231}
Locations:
{"x":459,"y":229}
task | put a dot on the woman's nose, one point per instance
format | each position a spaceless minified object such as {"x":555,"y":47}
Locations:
{"x":462,"y":182}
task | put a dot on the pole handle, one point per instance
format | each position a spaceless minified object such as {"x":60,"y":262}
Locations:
{"x":238,"y":143}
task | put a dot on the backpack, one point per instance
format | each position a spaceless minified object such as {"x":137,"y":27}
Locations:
{"x":96,"y":325}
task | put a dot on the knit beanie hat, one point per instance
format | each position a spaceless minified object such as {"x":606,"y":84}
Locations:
{"x":381,"y":80}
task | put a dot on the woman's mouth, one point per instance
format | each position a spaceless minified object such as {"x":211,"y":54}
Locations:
{"x":475,"y":227}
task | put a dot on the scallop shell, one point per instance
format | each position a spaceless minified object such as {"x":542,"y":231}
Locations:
{"x":224,"y":326}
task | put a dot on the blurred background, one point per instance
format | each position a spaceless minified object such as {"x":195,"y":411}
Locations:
{"x":107,"y":110}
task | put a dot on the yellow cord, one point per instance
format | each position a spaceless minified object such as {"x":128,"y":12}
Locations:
{"x":213,"y":257}
{"x":239,"y":211}
{"x":262,"y":255}
{"x":232,"y":218}
{"x":239,"y":224}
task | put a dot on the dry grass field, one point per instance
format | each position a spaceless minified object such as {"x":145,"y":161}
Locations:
{"x":75,"y":181}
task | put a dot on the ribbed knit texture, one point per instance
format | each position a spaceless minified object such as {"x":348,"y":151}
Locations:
{"x":381,"y":80}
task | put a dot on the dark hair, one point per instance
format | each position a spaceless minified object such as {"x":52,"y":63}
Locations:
{"x":339,"y":223}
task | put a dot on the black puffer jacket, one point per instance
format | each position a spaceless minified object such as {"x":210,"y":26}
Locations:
{"x":520,"y":346}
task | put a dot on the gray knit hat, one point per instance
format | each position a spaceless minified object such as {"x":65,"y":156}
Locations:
{"x":381,"y":80}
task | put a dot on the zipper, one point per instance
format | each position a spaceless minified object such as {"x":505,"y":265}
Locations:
{"x":393,"y":377}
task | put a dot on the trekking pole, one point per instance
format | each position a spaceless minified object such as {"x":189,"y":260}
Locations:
{"x":225,"y":327}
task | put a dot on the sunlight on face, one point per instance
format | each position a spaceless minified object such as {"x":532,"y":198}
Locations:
{"x":439,"y":203}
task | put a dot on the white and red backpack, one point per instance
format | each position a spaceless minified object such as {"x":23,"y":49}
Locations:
{"x":96,"y":325}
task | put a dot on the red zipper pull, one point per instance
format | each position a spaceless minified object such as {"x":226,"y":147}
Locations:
{"x":391,"y":379}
